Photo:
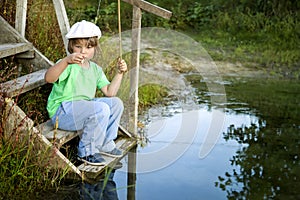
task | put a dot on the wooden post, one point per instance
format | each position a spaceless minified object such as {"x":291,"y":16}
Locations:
{"x":131,"y":174}
{"x":62,"y":19}
{"x":21,"y":12}
{"x":135,"y":57}
{"x":134,"y":72}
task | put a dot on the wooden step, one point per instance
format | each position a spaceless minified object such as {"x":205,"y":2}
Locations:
{"x":57,"y":137}
{"x":60,"y":137}
{"x":10,"y":49}
{"x":24,"y":83}
{"x":91,"y":172}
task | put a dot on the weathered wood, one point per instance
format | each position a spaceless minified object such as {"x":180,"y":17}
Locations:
{"x":134,"y":72}
{"x":161,"y":12}
{"x":63,"y":21}
{"x":131,"y":168}
{"x":26,"y":55}
{"x":21,"y":11}
{"x":10,"y":49}
{"x":39,"y":62}
{"x":24,"y":83}
{"x":57,"y":137}
{"x":56,"y":160}
{"x":85,"y":171}
{"x":15,"y":120}
{"x":17,"y":123}
{"x":61,"y":137}
{"x":124,"y":131}
{"x":9,"y":35}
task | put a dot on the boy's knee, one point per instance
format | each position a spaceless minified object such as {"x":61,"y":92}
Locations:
{"x":103,"y":109}
{"x":118,"y":102}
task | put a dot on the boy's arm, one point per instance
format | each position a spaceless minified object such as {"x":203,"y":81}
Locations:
{"x":53,"y":73}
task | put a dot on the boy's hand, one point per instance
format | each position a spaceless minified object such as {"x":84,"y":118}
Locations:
{"x":122,"y":66}
{"x":75,"y":58}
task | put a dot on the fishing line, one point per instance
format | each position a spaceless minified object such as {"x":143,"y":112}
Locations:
{"x":119,"y":26}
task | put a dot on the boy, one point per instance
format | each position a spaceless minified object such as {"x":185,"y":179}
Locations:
{"x":72,"y":100}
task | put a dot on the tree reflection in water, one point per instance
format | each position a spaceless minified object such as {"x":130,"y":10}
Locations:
{"x":268,"y":163}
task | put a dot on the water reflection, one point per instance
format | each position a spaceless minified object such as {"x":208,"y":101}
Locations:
{"x":269,"y":164}
{"x":189,"y":177}
{"x":105,"y":189}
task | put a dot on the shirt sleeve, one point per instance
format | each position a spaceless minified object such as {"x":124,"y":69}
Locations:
{"x":64,"y":74}
{"x":102,"y":79}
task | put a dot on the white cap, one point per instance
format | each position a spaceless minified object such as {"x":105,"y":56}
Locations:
{"x":84,"y":29}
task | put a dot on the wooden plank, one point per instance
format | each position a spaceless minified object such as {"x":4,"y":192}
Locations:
{"x":56,"y":159}
{"x":131,"y":177}
{"x":161,"y":12}
{"x":62,"y":19}
{"x":15,"y":120}
{"x":134,"y":71}
{"x":61,"y":136}
{"x":24,"y":83}
{"x":9,"y":34}
{"x":10,"y":49}
{"x":18,"y":122}
{"x":124,"y":131}
{"x":92,"y":172}
{"x":21,"y":11}
{"x":58,"y":137}
{"x":26,"y":55}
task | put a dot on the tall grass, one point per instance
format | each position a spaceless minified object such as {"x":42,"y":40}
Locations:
{"x":23,"y":166}
{"x":24,"y":161}
{"x":43,"y":30}
{"x":23,"y":173}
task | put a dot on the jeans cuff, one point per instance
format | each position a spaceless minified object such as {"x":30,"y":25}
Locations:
{"x":108,"y":146}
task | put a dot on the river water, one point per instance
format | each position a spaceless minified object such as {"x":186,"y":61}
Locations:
{"x":227,"y":132}
{"x":247,"y":148}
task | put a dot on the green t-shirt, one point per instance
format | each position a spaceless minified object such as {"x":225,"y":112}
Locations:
{"x":76,"y":83}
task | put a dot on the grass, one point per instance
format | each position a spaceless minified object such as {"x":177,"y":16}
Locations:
{"x":151,"y":94}
{"x":24,"y":167}
{"x":254,"y":40}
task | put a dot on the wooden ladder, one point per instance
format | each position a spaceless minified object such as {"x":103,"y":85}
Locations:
{"x":50,"y":140}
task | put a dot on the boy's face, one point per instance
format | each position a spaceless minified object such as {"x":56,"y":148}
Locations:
{"x":87,"y":50}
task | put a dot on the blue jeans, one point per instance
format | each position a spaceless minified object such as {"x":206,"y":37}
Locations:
{"x":98,"y":118}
